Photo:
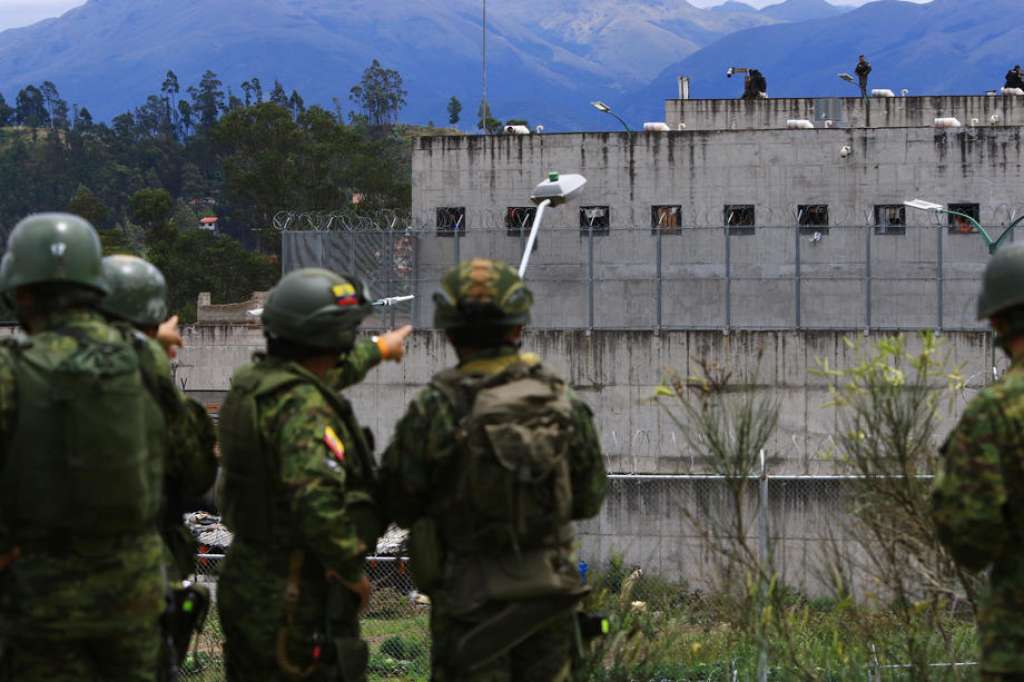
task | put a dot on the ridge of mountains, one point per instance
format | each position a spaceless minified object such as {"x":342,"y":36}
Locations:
{"x":945,"y":47}
{"x":547,"y":59}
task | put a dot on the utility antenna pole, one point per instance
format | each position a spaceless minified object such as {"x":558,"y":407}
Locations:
{"x":486,"y":109}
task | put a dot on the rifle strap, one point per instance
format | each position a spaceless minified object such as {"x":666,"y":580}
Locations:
{"x":292,"y":591}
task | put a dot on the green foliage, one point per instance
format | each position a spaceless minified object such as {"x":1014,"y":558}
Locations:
{"x":198,"y":260}
{"x":485,"y":121}
{"x":379,"y":94}
{"x":151,"y":208}
{"x":89,"y":206}
{"x":454,"y":110}
{"x":31,"y":108}
{"x":6,"y":113}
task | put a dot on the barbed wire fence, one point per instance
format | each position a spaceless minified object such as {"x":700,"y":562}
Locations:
{"x":736,"y":272}
{"x":649,"y":549}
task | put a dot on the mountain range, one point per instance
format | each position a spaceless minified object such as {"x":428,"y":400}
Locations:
{"x":547,"y":59}
{"x":945,"y":47}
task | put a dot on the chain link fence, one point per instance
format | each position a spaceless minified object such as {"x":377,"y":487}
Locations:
{"x":597,"y":275}
{"x":662,"y":543}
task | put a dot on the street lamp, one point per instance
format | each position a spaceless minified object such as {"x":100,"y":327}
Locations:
{"x":992,"y":244}
{"x":554,"y":191}
{"x":604,"y":108}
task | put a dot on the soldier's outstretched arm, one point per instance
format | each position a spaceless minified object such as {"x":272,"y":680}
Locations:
{"x":969,"y":492}
{"x":366,"y":355}
{"x":589,"y":477}
{"x":191,"y":462}
{"x":312,"y":443}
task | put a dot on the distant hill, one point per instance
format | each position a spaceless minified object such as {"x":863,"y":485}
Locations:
{"x":735,"y":6}
{"x":945,"y":47}
{"x":802,"y":10}
{"x":547,"y":58}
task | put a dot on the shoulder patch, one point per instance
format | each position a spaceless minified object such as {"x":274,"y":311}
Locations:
{"x":334,"y":444}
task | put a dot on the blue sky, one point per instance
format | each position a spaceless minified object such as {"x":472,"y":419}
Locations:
{"x":15,"y":13}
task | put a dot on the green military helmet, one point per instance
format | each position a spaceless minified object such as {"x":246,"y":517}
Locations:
{"x":482,"y":292}
{"x":54,"y":248}
{"x":1003,"y":283}
{"x":138,"y":291}
{"x":316,"y":308}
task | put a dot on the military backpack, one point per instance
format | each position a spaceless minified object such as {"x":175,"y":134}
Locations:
{"x":514,"y":436}
{"x":79,"y":464}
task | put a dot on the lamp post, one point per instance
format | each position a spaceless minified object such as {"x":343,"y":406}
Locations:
{"x":992,"y":244}
{"x":604,"y":108}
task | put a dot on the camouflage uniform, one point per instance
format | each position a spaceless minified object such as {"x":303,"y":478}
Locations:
{"x":419,"y":472}
{"x":137,"y":303}
{"x":84,"y":610}
{"x":978,"y":498}
{"x":282,"y":617}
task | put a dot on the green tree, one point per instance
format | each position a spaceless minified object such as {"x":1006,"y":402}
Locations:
{"x":278,"y":96}
{"x":89,"y":206}
{"x":31,"y":108}
{"x":296,"y":103}
{"x":6,"y":112}
{"x":379,"y":94}
{"x":454,"y":110}
{"x":151,"y":208}
{"x":207,"y":100}
{"x":83,"y":119}
{"x":194,"y":261}
{"x":485,"y":121}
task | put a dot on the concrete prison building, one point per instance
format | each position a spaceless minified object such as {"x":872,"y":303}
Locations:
{"x":764,"y":228}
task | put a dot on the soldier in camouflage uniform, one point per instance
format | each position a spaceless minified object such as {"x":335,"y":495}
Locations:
{"x":81,"y":577}
{"x":298,"y":478}
{"x":978,"y":499}
{"x":138,"y":298}
{"x":488,"y":467}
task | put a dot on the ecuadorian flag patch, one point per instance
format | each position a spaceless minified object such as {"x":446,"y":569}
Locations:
{"x":334,"y":444}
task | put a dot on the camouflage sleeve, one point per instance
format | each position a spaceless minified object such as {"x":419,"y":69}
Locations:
{"x":303,"y":433}
{"x":969,"y":492}
{"x":7,"y":422}
{"x":423,"y":437}
{"x":191,"y":462}
{"x":589,"y":478}
{"x":355,"y":365}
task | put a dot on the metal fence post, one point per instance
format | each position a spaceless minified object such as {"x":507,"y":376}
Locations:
{"x":457,"y":255}
{"x":939,"y":275}
{"x":390,"y":269}
{"x":796,"y":279}
{"x":867,"y":278}
{"x":763,"y":550}
{"x":728,"y":280}
{"x":657,"y":329}
{"x":590,"y":276}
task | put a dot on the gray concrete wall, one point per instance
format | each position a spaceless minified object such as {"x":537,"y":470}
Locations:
{"x":648,"y":522}
{"x":853,"y":112}
{"x":776,"y":171}
{"x":616,"y":373}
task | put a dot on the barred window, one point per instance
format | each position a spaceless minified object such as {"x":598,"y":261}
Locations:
{"x":812,"y":218}
{"x":961,"y":225}
{"x":666,"y":219}
{"x":596,"y":219}
{"x":739,"y":218}
{"x":890,"y":219}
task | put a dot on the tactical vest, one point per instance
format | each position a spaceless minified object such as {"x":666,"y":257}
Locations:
{"x":78,"y":462}
{"x":513,"y":489}
{"x":255,"y":501}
